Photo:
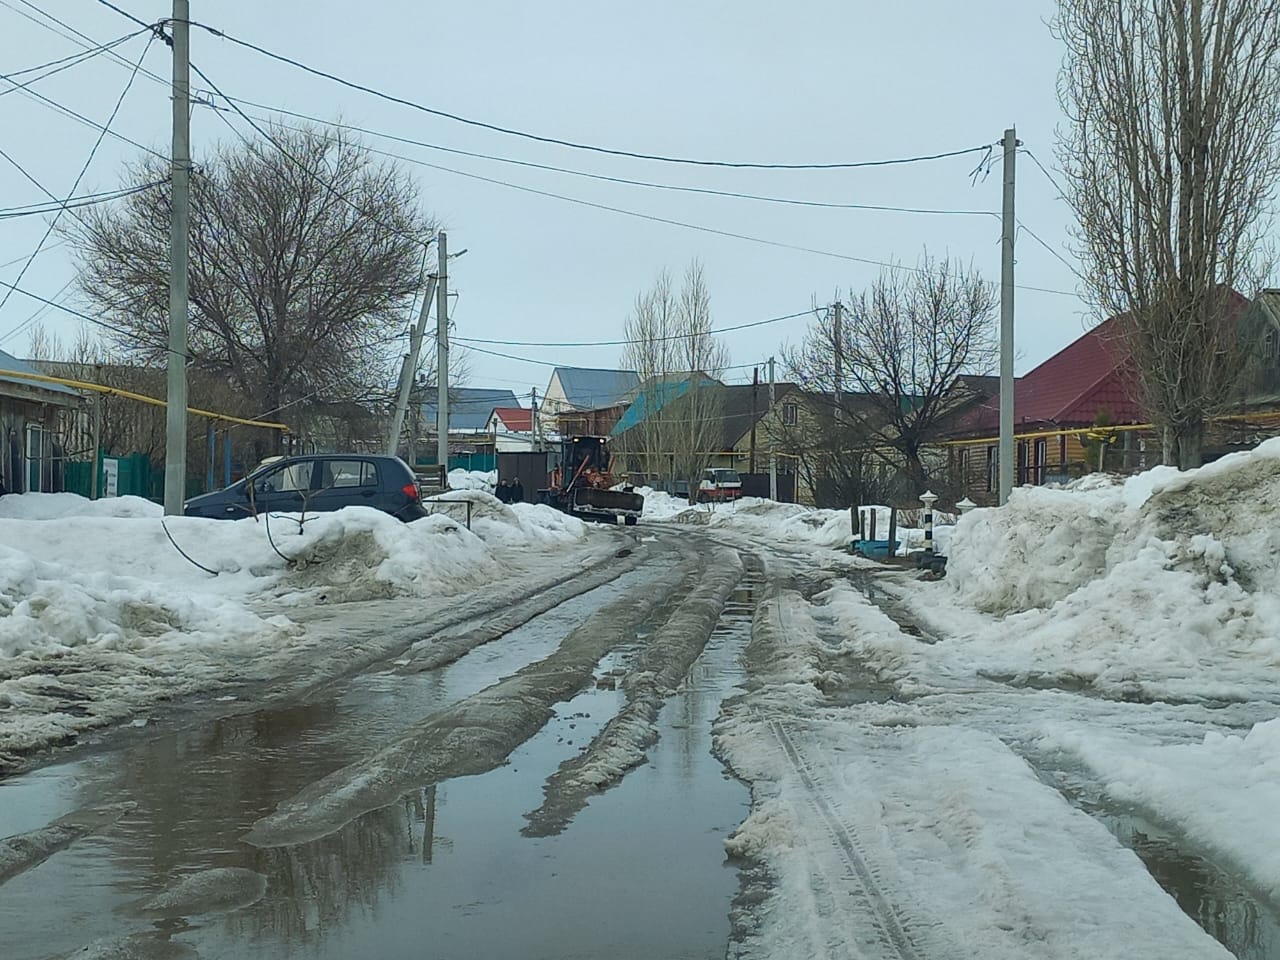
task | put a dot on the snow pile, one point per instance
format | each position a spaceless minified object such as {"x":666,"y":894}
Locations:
{"x":659,"y":505}
{"x":1160,"y":585}
{"x":486,"y":480}
{"x":100,"y":611}
{"x":1222,"y":793}
{"x":55,"y":506}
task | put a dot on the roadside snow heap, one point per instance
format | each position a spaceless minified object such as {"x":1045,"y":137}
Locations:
{"x":1167,"y":578}
{"x":755,"y":517}
{"x":106,"y":605}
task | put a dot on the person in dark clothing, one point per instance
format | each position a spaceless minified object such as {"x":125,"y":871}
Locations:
{"x":517,"y":491}
{"x":503,"y":493}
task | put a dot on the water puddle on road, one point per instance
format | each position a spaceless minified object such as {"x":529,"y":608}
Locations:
{"x":1223,"y":906}
{"x":445,"y":873}
{"x":1218,"y":900}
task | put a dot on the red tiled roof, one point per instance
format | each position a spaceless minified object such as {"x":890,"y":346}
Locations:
{"x":515,"y":419}
{"x":1089,"y":375}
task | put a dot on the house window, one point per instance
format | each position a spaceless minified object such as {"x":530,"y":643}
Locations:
{"x":789,"y":414}
{"x":993,"y":469}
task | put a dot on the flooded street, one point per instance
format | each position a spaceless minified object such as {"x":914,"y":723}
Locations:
{"x":445,"y":871}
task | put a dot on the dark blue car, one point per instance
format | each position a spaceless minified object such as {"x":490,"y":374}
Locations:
{"x":317,"y":483}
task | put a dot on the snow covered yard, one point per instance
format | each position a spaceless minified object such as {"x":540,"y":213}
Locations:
{"x":1109,"y":647}
{"x":102,"y":615}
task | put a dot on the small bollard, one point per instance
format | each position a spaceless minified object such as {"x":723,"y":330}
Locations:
{"x":928,"y":498}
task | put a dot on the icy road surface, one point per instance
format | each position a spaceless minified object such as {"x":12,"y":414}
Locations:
{"x":537,"y":776}
{"x":468,"y":797}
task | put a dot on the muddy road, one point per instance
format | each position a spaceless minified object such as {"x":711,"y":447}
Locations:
{"x":526,"y":783}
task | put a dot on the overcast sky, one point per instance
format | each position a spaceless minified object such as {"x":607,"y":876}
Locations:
{"x":808,"y":81}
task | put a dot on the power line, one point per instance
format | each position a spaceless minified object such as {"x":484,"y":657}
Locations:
{"x":98,"y":321}
{"x":75,"y":203}
{"x":624,"y":343}
{"x":93,"y":151}
{"x":706,"y":191}
{"x":62,"y":63}
{"x":68,"y":32}
{"x":635,"y":213}
{"x":1062,"y":194}
{"x":298,"y":163}
{"x":557,"y":141}
{"x":67,"y":111}
{"x":1036,"y":237}
{"x":47,"y":248}
{"x":681,"y":223}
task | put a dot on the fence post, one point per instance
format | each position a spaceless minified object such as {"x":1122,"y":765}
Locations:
{"x":893,"y":532}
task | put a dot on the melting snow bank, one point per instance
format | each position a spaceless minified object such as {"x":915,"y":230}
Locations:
{"x":654,"y":675}
{"x":471,"y":737}
{"x":1164,"y":585}
{"x":925,"y":835}
{"x":952,"y":845}
{"x":101,"y":615}
{"x":1222,"y":793}
{"x":782,"y":524}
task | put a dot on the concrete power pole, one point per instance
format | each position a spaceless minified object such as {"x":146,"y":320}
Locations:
{"x":533,"y":420}
{"x":837,"y":307}
{"x":773,"y":449}
{"x":442,"y":353}
{"x":407,"y":369}
{"x":1010,"y":143}
{"x":175,"y":449}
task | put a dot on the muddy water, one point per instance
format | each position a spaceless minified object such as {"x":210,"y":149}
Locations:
{"x":444,"y":872}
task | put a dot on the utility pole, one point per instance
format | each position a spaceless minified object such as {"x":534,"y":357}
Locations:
{"x":836,"y":308}
{"x":95,"y":482}
{"x":442,"y":353}
{"x":533,"y":420}
{"x":407,"y":369}
{"x":175,"y":449}
{"x":1008,"y":226}
{"x":755,"y":406}
{"x":773,"y":449}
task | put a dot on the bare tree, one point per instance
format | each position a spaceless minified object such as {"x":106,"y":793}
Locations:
{"x":678,"y":361}
{"x":1170,"y":157}
{"x":902,"y":344}
{"x":304,"y":255}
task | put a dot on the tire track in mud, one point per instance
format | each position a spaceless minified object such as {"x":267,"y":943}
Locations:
{"x":654,"y":676}
{"x":475,"y":734}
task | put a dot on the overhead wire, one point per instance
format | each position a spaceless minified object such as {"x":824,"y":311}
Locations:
{"x":559,"y":141}
{"x":68,"y":112}
{"x":706,"y":191}
{"x":234,"y":103}
{"x":69,"y":32}
{"x":97,"y":321}
{"x":93,"y":151}
{"x":53,"y":67}
{"x":328,"y":185}
{"x":76,"y":203}
{"x":888,"y":265}
{"x":1062,"y":194}
{"x":624,"y":343}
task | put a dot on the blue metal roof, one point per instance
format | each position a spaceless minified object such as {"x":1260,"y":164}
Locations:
{"x":469,"y":408}
{"x":653,"y":397}
{"x":587,"y":388}
{"x":9,"y":362}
